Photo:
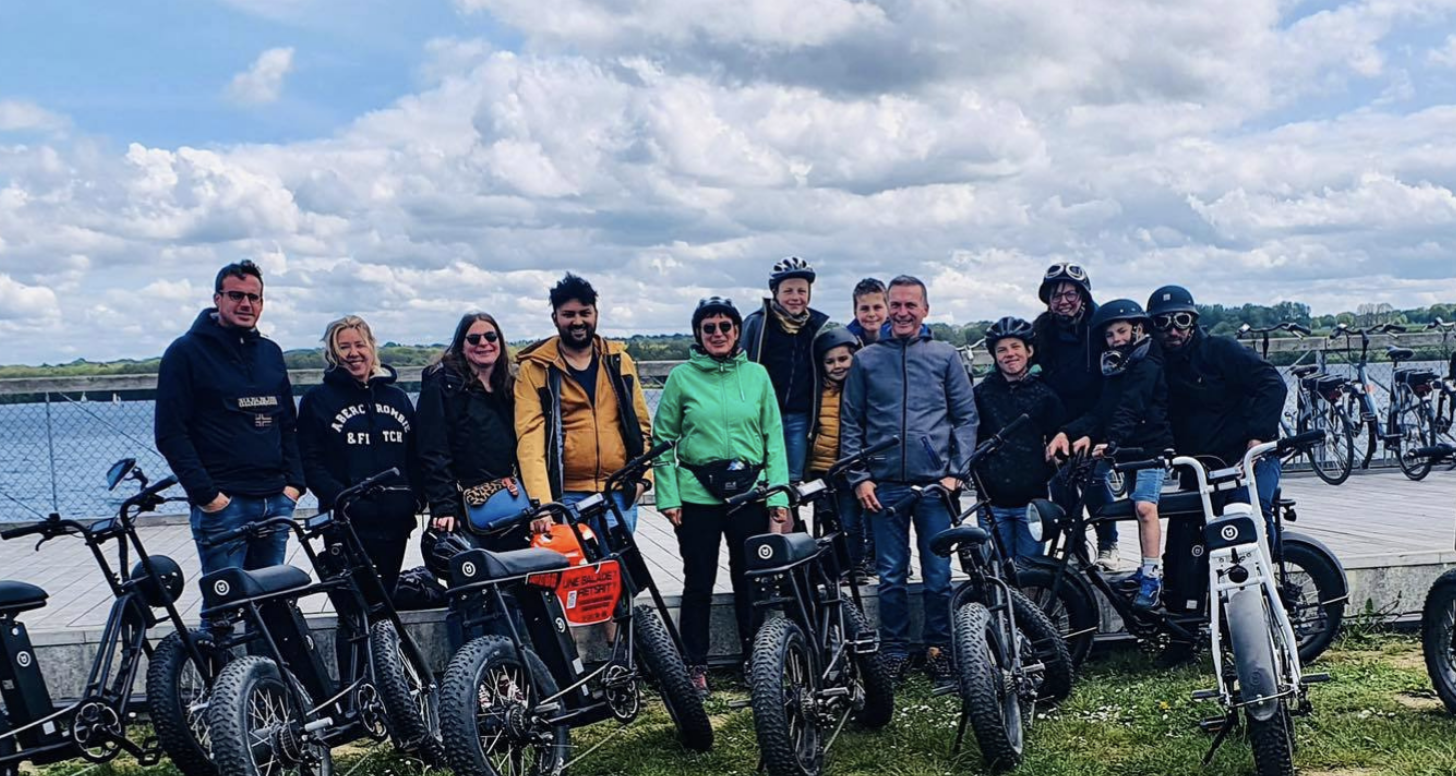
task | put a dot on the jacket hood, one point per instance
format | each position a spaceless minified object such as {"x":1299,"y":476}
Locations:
{"x":341,"y":377}
{"x":548,"y":351}
{"x":700,"y":359}
{"x":207,"y":325}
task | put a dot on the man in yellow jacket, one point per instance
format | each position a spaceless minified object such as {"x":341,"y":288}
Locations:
{"x":580,"y":410}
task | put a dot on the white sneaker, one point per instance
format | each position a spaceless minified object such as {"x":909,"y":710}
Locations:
{"x":1108,"y":559}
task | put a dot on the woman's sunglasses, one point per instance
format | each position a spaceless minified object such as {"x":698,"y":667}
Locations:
{"x":721,"y":327}
{"x":474,"y":339}
{"x":1181,"y":321}
{"x":1066,"y":268}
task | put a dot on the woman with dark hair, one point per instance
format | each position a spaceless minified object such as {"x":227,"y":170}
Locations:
{"x":467,"y":431}
{"x":353,"y":426}
{"x":721,"y":410}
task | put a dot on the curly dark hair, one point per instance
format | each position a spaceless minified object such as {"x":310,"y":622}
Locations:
{"x":241,"y":270}
{"x":572,"y":287}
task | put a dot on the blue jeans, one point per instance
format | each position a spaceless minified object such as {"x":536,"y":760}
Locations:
{"x":1013,"y":534}
{"x":629,"y":511}
{"x":892,"y":545}
{"x":1147,"y":486}
{"x":796,"y":443}
{"x":249,"y":554}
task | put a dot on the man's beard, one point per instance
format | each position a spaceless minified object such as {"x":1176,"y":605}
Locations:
{"x":577,"y":337}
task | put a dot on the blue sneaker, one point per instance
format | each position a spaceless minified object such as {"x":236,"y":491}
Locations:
{"x":1150,"y":594}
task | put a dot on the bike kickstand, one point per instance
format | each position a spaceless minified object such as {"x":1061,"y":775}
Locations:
{"x":1229,"y":722}
{"x":960,"y":733}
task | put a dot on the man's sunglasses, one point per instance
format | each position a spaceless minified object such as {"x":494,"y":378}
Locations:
{"x":238,"y":296}
{"x":1066,"y":268}
{"x":1180,"y":321}
{"x":721,"y":327}
{"x":474,"y":339}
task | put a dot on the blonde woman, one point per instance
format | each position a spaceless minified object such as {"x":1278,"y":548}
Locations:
{"x":357,"y":424}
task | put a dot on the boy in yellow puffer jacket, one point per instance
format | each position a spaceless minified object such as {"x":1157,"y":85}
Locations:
{"x":834,"y":351}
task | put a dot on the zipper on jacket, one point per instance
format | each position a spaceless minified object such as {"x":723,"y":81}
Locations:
{"x":904,"y":410}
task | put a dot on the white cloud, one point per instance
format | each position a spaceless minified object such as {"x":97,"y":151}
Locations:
{"x":262,"y":82}
{"x":681,"y":149}
{"x":1445,"y":55}
{"x":21,"y":115}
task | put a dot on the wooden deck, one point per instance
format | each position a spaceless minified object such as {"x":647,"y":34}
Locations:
{"x":1373,"y":520}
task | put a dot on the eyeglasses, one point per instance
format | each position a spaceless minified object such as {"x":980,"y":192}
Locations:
{"x":1068,"y":296}
{"x":721,"y":327}
{"x":1066,"y":268}
{"x":238,"y":296}
{"x":1180,"y":321}
{"x":474,"y":339}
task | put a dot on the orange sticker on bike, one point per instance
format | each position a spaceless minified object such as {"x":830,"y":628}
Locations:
{"x":588,"y":594}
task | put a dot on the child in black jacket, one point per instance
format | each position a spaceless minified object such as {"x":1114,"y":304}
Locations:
{"x":1131,"y":412}
{"x":1019,"y":471}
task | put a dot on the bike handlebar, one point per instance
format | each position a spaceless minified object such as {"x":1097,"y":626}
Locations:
{"x":1307,"y":439}
{"x":635,"y":468}
{"x":1137,"y":466}
{"x":863,"y":456}
{"x":50,"y":527}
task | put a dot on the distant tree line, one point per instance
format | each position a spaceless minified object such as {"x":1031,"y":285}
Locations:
{"x":1217,"y":318}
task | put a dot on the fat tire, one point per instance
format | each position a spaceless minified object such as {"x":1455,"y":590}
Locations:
{"x":459,"y":699}
{"x":168,"y":710}
{"x":664,"y":664}
{"x":227,"y":717}
{"x":772,"y":647}
{"x":979,"y":658}
{"x":1051,"y":649}
{"x":1325,"y":575}
{"x":879,"y":686}
{"x":1273,"y":743}
{"x":1438,"y":636}
{"x":1082,"y":613}
{"x":416,"y":730}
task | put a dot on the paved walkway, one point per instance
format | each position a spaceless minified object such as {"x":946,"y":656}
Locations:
{"x":1372,"y":520}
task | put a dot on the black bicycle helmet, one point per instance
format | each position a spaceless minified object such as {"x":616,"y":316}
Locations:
{"x":1009,"y":327}
{"x":715,"y":305}
{"x":1065,"y":272}
{"x":417,"y":589}
{"x":830,"y":339}
{"x":438,"y":548}
{"x":1118,"y":310}
{"x":789,"y":268}
{"x":1171,"y":299}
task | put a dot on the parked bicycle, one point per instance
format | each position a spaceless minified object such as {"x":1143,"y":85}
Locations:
{"x":815,"y":662}
{"x":1067,"y":583}
{"x":1008,"y":655}
{"x":1256,"y":652}
{"x":1319,"y":406}
{"x":33,"y":726}
{"x":511,"y":698}
{"x":280,"y":709}
{"x":1445,"y":399}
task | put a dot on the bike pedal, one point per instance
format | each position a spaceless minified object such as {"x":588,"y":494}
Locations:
{"x":1309,"y":679}
{"x":944,"y":689}
{"x":741,"y":703}
{"x":1213,"y":724}
{"x":1206,"y":695}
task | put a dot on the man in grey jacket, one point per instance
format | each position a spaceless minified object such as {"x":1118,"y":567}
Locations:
{"x":912,"y":387}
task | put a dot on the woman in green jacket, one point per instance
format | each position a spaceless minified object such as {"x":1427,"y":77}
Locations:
{"x":721,"y":410}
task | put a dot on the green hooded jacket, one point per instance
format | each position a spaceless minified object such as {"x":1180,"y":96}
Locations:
{"x":717,"y":410}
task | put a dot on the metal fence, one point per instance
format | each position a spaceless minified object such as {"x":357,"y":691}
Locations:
{"x":62,"y":435}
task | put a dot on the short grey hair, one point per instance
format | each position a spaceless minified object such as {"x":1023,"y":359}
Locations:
{"x":911,"y":280}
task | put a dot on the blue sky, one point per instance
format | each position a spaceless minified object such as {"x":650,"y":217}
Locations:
{"x":410,"y":161}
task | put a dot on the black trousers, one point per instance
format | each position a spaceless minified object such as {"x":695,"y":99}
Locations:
{"x":703,"y":529}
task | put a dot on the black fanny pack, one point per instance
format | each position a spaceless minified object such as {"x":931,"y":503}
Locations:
{"x":726,"y":479}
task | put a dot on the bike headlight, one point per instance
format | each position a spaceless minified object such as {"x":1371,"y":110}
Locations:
{"x":1033,"y":522}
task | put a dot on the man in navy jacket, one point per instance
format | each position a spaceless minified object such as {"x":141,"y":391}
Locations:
{"x":226,"y":423}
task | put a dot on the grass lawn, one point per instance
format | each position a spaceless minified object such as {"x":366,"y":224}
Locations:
{"x":1378,"y":716}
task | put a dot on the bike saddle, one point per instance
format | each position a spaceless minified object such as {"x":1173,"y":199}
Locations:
{"x":1400,"y":354}
{"x":230,"y":585}
{"x":766,"y":551}
{"x":946,"y":542}
{"x":17,"y":597}
{"x":1169,"y":504}
{"x":1304,"y":371}
{"x":480,"y":565}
